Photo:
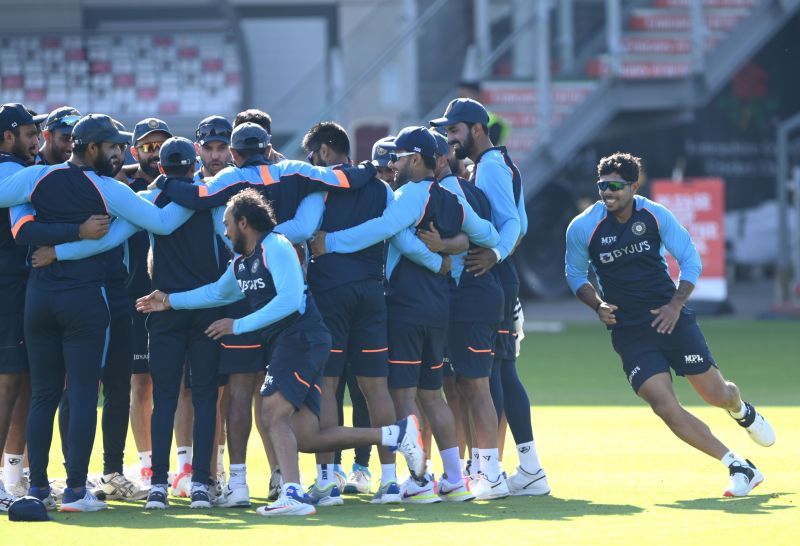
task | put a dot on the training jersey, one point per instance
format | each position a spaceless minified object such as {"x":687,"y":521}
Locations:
{"x":628,"y":259}
{"x":13,"y":257}
{"x":135,"y":250}
{"x":271,"y":279}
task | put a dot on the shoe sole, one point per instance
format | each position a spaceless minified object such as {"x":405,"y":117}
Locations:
{"x":72,"y":509}
{"x":529,"y":493}
{"x":388,"y":499}
{"x":329,"y":501}
{"x":416,"y":500}
{"x":293,"y":512}
{"x":354,"y":490}
{"x":200,"y":504}
{"x":462,"y":498}
{"x":730,"y":493}
{"x":155,"y":506}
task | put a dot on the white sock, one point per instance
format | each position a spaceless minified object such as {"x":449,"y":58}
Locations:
{"x":184,"y":457}
{"x":428,"y":466}
{"x":12,"y":469}
{"x":388,"y":473}
{"x":238,"y":475}
{"x":390,"y":435}
{"x":490,"y":466}
{"x":146,"y":459}
{"x":528,"y":458}
{"x":324,"y":475}
{"x":730,"y":457}
{"x":220,"y":458}
{"x":450,"y":462}
{"x":476,"y":462}
{"x":741,"y":413}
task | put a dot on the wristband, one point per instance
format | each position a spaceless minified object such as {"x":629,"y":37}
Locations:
{"x":596,"y":309}
{"x":164,"y":300}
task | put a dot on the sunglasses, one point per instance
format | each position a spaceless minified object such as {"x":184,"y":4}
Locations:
{"x":205,"y":132}
{"x":604,"y":185}
{"x":66,"y":121}
{"x":150,"y":147}
{"x":310,"y":156}
{"x":396,"y":157}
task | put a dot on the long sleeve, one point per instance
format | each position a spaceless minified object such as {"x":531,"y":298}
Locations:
{"x":412,"y":247}
{"x":117,"y":234}
{"x":27,"y":231}
{"x":677,"y":241}
{"x":18,"y":182}
{"x":496,"y":182}
{"x":216,"y":193}
{"x":223,"y":291}
{"x":306,"y":220}
{"x":577,"y":255}
{"x":217,"y":216}
{"x":479,"y":231}
{"x":122,"y":201}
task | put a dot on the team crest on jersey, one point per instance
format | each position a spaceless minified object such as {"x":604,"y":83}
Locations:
{"x":254,"y":268}
{"x":639,"y":228}
{"x":241,"y":267}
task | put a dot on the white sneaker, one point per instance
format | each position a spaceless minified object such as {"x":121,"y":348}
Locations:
{"x":414,"y":493}
{"x":291,"y":503}
{"x":485,"y":489}
{"x":339,"y":477}
{"x":157,"y":498}
{"x":524,"y":483}
{"x":20,"y":489}
{"x":88,"y":503}
{"x":454,"y":492}
{"x":410,"y":445}
{"x":743,"y":479}
{"x":234,"y":497}
{"x":359,"y":481}
{"x":275,"y":485}
{"x":182,"y":484}
{"x":756,"y":426}
{"x":387,"y":493}
{"x":325,"y":496}
{"x":119,"y":487}
{"x":6,"y":498}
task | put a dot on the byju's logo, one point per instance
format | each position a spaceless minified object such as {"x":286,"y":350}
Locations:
{"x":633,"y":248}
{"x":693,"y":359}
{"x":611,"y":239}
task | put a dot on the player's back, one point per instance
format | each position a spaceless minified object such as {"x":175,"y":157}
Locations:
{"x":12,"y":256}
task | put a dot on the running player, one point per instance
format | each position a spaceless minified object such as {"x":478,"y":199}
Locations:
{"x":623,"y":237}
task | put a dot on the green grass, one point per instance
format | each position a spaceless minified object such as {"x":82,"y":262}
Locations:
{"x":618,"y":475}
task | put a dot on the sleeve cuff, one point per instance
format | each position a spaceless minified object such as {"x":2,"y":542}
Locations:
{"x":237,"y":327}
{"x":497,"y":253}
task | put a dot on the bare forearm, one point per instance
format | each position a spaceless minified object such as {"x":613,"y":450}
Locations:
{"x":589,"y":296}
{"x":681,"y":295}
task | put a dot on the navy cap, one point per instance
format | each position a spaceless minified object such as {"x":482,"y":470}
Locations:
{"x":249,"y":135}
{"x":416,"y":139}
{"x":13,"y":115}
{"x":213,"y":128}
{"x":442,"y":147}
{"x":177,"y":152}
{"x":381,"y":150}
{"x":28,"y":509}
{"x":147,"y":126}
{"x":466,"y":110}
{"x":62,"y":119}
{"x":98,"y":128}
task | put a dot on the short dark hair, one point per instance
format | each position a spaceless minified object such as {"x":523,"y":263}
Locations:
{"x":471,"y":85}
{"x":625,"y":165}
{"x":178,"y":171}
{"x":247,"y":153}
{"x":254,"y":115}
{"x":80,"y":149}
{"x":485,"y":127}
{"x":252,"y":205}
{"x":14,"y":130}
{"x":330,"y":133}
{"x":429,"y":162}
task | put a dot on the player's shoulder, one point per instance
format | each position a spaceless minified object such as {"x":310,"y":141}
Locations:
{"x":587,"y":221}
{"x":657,"y":210}
{"x":493,"y":161}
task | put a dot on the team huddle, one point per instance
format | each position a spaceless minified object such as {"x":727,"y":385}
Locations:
{"x":215,"y":281}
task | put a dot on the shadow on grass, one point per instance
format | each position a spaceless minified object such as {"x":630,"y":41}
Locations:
{"x":356,"y":513}
{"x":752,"y":504}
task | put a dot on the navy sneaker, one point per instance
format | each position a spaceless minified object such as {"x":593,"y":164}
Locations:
{"x":157,"y":498}
{"x":200,"y":496}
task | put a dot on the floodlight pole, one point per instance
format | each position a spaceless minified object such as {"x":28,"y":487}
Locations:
{"x":785,"y":251}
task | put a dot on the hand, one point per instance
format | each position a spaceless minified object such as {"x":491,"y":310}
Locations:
{"x":606,"y":313}
{"x":43,"y":256}
{"x":445,"y":269}
{"x":219,"y":328}
{"x":318,"y":244}
{"x":94,"y":227}
{"x":666,"y":318}
{"x":431,"y":238}
{"x":156,"y":301}
{"x":480,"y":260}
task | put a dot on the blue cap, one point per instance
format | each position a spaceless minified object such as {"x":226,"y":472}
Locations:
{"x":442,"y":147}
{"x":147,"y":126}
{"x":62,"y":119}
{"x":381,"y":150}
{"x":416,"y":139}
{"x":28,"y":509}
{"x":13,"y":115}
{"x":213,"y":128}
{"x":466,"y":110}
{"x":98,"y":128}
{"x":249,"y":135}
{"x":177,"y":152}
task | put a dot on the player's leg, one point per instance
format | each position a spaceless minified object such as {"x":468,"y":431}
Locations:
{"x":360,"y":479}
{"x":141,"y":397}
{"x":14,"y":452}
{"x":239,"y":426}
{"x":183,"y":425}
{"x":275,"y":479}
{"x":452,"y":395}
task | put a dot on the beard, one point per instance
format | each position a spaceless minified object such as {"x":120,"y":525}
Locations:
{"x":238,"y":243}
{"x":150,"y":168}
{"x":105,"y":166}
{"x":463,"y":150}
{"x":401,"y":177}
{"x":21,"y":151}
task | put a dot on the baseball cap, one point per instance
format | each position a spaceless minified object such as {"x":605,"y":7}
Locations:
{"x":28,"y":508}
{"x":466,"y":110}
{"x":416,"y":139}
{"x":98,"y":128}
{"x":63,"y":119}
{"x":442,"y":147}
{"x":13,"y":115}
{"x":249,"y":135}
{"x":176,"y":152}
{"x":381,"y":150}
{"x":213,"y":128}
{"x":147,"y":126}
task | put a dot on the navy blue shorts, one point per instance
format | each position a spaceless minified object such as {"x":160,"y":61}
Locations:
{"x":355,"y":314}
{"x":645,"y":352}
{"x":243,"y":353}
{"x":13,"y":354}
{"x":295,"y":366}
{"x":505,"y":346}
{"x":416,"y":355}
{"x":470,"y":348}
{"x":140,"y":348}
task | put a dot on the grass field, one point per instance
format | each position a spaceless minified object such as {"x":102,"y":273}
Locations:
{"x":618,"y":475}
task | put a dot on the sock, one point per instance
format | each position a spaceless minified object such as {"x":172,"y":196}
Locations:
{"x":388,"y":473}
{"x":324,"y":475}
{"x":490,"y":466}
{"x":390,"y":435}
{"x":337,"y":469}
{"x":450,"y":462}
{"x":198,"y":485}
{"x":741,"y":413}
{"x":476,"y":462}
{"x":730,"y":458}
{"x":286,"y":486}
{"x":528,"y":458}
{"x":238,"y":475}
{"x":146,"y":459}
{"x":12,"y":469}
{"x":221,"y":459}
{"x":428,"y":466}
{"x":184,"y":458}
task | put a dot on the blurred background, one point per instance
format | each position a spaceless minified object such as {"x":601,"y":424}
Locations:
{"x":706,"y":91}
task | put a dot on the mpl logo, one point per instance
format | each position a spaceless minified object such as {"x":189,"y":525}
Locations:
{"x":610,"y":239}
{"x":634,"y":371}
{"x":693,"y":359}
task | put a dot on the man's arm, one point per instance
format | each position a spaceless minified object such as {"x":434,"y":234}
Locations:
{"x":18,"y":182}
{"x":306,"y":220}
{"x":216,"y":193}
{"x":577,"y":272}
{"x":496,"y":182}
{"x":122,"y":201}
{"x":27,"y":231}
{"x":118,"y":234}
{"x":408,"y":244}
{"x":434,"y":242}
{"x":223,"y":291}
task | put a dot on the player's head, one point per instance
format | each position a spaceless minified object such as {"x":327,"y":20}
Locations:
{"x":466,"y":122}
{"x":58,"y":133}
{"x":177,"y":157}
{"x":414,"y":157}
{"x":618,"y":180}
{"x":249,"y":140}
{"x":327,"y":144}
{"x":212,"y":141}
{"x":380,"y":158}
{"x":98,"y":143}
{"x":148,"y":137}
{"x":19,"y":132}
{"x":442,"y":154}
{"x":469,"y":90}
{"x":247,"y":216}
{"x":254,"y":115}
